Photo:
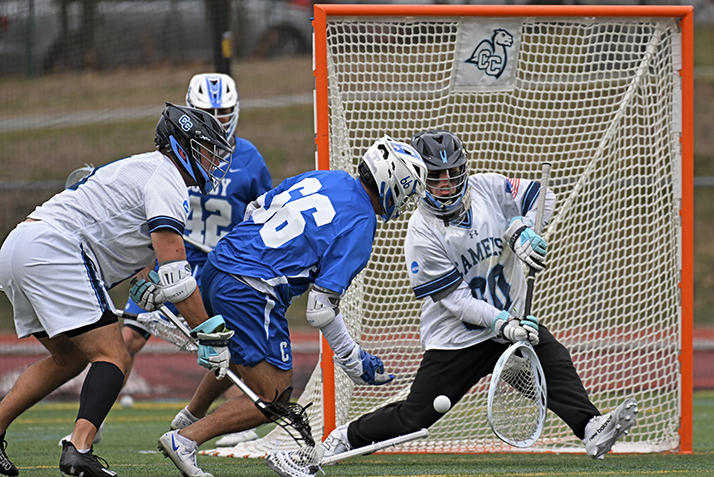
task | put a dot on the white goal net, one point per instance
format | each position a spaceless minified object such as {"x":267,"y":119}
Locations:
{"x":598,"y":97}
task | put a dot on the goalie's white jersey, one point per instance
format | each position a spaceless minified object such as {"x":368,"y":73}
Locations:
{"x":466,"y":272}
{"x":112,"y":212}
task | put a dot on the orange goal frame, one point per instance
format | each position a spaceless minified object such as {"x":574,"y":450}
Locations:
{"x":684,"y":13}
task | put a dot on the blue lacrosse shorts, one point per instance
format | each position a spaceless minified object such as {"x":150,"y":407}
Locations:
{"x":257,"y":319}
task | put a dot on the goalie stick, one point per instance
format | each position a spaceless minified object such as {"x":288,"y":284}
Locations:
{"x":517,"y":394}
{"x":304,"y":462}
{"x":281,"y":410}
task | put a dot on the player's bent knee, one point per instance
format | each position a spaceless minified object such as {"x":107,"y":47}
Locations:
{"x":134,"y":342}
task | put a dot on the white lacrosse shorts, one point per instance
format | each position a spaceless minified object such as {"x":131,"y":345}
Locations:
{"x":51,"y":282}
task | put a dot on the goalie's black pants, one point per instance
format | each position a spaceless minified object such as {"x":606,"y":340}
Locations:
{"x":454,"y":372}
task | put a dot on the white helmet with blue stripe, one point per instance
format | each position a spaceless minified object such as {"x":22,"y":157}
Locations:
{"x":395,"y":172}
{"x":217,"y":94}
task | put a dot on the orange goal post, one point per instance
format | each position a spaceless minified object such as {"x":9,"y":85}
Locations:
{"x":604,"y":93}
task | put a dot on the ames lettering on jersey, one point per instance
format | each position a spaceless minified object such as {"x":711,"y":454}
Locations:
{"x":484,"y":249}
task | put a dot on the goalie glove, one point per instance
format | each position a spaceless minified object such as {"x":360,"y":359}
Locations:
{"x":364,"y":368}
{"x":530,"y":324}
{"x":147,"y":294}
{"x":530,"y":247}
{"x":213,"y":340}
{"x":508,"y":327}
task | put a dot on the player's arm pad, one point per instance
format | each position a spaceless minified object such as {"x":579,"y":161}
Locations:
{"x":322,"y":306}
{"x":177,"y":283}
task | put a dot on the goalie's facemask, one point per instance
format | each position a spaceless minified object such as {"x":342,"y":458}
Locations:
{"x":447,"y":176}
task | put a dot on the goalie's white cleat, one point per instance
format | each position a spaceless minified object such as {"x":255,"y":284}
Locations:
{"x":602,"y":432}
{"x":336,"y":443}
{"x":182,"y":452}
{"x":183,"y":419}
{"x":235,"y":438}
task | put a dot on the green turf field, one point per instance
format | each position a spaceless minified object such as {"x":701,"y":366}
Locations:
{"x":130,"y":435}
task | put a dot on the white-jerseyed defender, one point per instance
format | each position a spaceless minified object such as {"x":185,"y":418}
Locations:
{"x":57,"y":266}
{"x":210,"y":217}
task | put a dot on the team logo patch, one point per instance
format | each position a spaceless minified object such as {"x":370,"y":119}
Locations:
{"x":185,"y":122}
{"x":487,"y":55}
{"x":185,"y":206}
{"x":415,"y":267}
{"x":491,"y":55}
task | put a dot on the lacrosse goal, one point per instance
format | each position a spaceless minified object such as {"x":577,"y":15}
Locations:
{"x":605,"y":95}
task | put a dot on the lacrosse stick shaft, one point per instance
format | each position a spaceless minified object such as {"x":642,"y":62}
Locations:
{"x":230,"y":374}
{"x":537,"y":227}
{"x":376,"y":446}
{"x":197,"y":244}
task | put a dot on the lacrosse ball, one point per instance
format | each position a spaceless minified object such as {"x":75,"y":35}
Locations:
{"x":442,"y":404}
{"x":126,"y":401}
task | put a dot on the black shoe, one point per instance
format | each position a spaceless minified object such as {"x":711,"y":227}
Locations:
{"x":6,"y":467}
{"x":82,"y":465}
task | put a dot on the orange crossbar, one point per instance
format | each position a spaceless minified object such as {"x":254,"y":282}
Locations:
{"x":686,"y":15}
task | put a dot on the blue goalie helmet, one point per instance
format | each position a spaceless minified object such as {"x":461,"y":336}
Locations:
{"x":445,"y":158}
{"x":395,"y":172}
{"x":196,"y":139}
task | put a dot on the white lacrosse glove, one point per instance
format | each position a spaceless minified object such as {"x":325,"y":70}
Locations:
{"x":516,"y":329}
{"x":364,"y":368}
{"x":530,"y":324}
{"x":147,"y":294}
{"x":530,"y":247}
{"x":508,"y":327}
{"x":213,"y":340}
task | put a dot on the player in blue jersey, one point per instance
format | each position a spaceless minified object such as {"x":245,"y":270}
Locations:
{"x":313,"y":229}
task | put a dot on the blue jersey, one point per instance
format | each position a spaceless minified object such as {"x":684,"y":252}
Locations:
{"x":317,"y":227}
{"x":212,"y":216}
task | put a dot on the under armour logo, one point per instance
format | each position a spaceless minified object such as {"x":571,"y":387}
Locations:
{"x":490,"y":56}
{"x":472,"y":234}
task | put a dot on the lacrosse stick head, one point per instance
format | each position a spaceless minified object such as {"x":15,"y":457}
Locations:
{"x":289,"y":415}
{"x":157,"y":325}
{"x":304,"y":462}
{"x":517,"y":396}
